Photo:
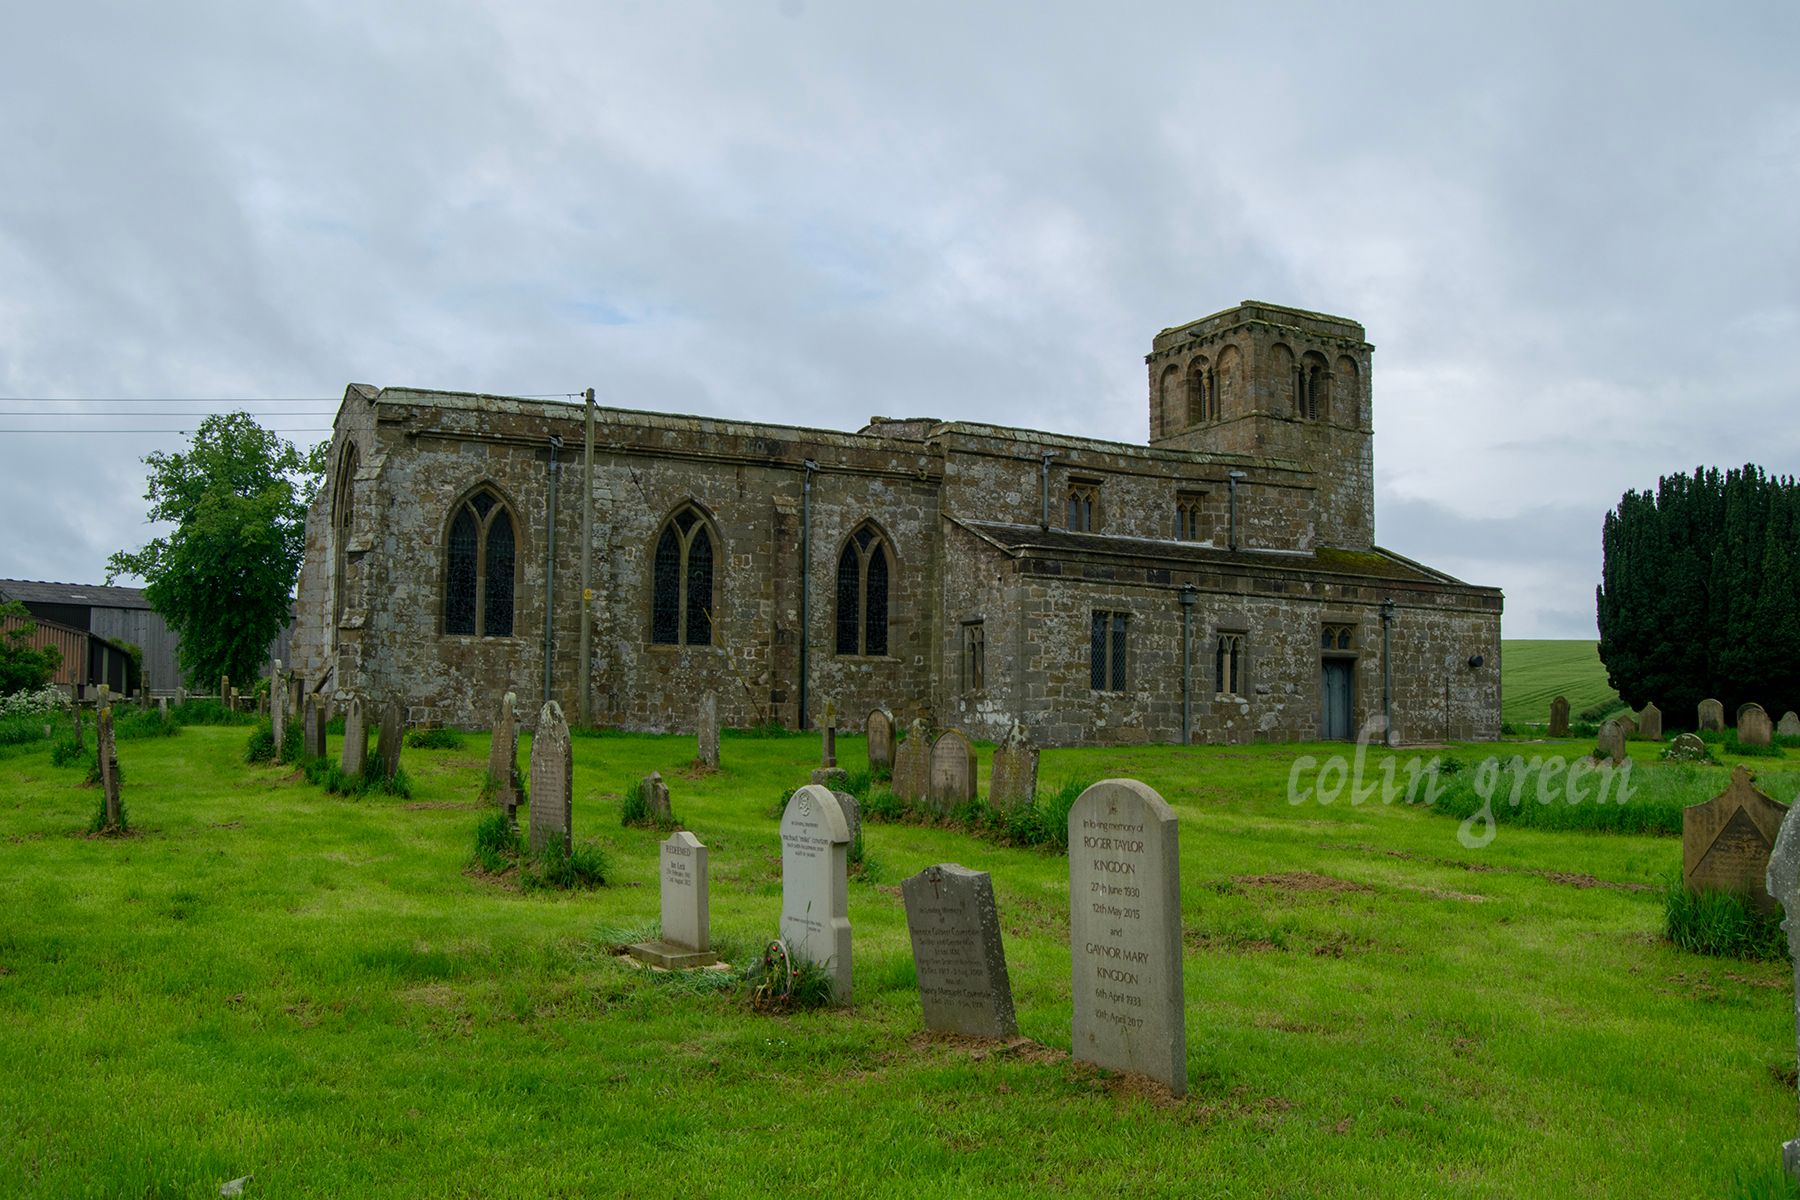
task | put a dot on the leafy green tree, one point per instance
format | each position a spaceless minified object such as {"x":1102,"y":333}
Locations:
{"x":224,"y":579}
{"x":23,"y":668}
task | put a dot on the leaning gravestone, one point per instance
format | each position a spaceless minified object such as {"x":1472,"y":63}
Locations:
{"x":1650,"y":723}
{"x":391,"y":739}
{"x":1125,"y":932}
{"x":880,"y":728}
{"x":109,"y":767}
{"x":1611,"y":742}
{"x":1782,"y":882}
{"x":953,"y":771}
{"x":957,"y":952}
{"x":707,"y":731}
{"x":685,"y":936}
{"x":312,"y":728}
{"x":1725,"y":842}
{"x":356,"y":740}
{"x":912,"y":765}
{"x":1789,"y":726}
{"x":815,"y":901}
{"x":503,"y":757}
{"x":552,"y":783}
{"x":1012,"y":780}
{"x":1753,"y":728}
{"x":1711,"y":716}
{"x":1687,"y":748}
{"x":1559,"y":717}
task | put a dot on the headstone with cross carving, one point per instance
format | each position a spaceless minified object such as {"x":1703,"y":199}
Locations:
{"x":957,"y":952}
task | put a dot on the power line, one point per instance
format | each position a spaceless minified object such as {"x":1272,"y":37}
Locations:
{"x":26,"y":412}
{"x":168,"y":399}
{"x":175,"y":432}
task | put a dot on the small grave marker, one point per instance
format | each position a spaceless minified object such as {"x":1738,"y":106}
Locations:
{"x":707,"y":731}
{"x":1611,"y":742}
{"x":1789,"y":726}
{"x":1725,"y":842}
{"x":957,"y":952}
{"x":1012,"y":781}
{"x":312,"y":728}
{"x":685,"y":940}
{"x":355,"y":755}
{"x":391,"y":739}
{"x":1650,"y":723}
{"x":552,"y":782}
{"x":953,"y":771}
{"x":1559,"y":717}
{"x":880,"y":728}
{"x":503,"y":757}
{"x":1753,"y":728}
{"x":1711,"y":716}
{"x":912,"y":764}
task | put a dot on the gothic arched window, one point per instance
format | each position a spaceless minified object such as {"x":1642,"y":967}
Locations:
{"x":681,"y":596}
{"x":862,"y":594}
{"x":343,"y":514}
{"x":480,"y":567}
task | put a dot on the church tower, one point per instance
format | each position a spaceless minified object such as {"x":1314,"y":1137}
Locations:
{"x":1275,"y":382}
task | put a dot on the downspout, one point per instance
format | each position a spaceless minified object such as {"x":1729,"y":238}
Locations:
{"x":1044,"y":489}
{"x":1387,"y":672}
{"x":587,"y":568}
{"x":550,"y":566}
{"x":1187,"y":664}
{"x":1231,"y":481}
{"x":805,"y":574}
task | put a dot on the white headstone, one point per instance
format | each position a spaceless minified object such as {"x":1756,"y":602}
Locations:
{"x":815,"y":901}
{"x":685,"y":936}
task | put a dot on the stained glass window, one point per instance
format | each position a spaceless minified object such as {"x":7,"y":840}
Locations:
{"x":849,"y":588}
{"x":699,"y":589}
{"x":665,"y":607}
{"x":497,"y":607}
{"x":681,"y":589}
{"x":480,"y":568}
{"x":875,"y":608}
{"x":459,"y":576}
{"x":862,"y":594}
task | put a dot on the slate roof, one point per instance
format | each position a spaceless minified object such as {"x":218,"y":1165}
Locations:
{"x":31,"y":591}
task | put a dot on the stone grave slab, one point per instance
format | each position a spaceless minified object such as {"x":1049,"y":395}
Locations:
{"x":503,"y":757}
{"x":880,"y":728}
{"x":312,"y":728}
{"x":828,"y":736}
{"x":552,"y":782}
{"x":1611,"y":742}
{"x":1710,"y":716}
{"x":912,"y":765}
{"x":1725,"y":842}
{"x":356,"y":740}
{"x":391,"y":739}
{"x":954,"y":771}
{"x":656,"y":799}
{"x":1687,"y":747}
{"x":1012,"y":779}
{"x":1789,"y":725}
{"x":1753,"y":727}
{"x":706,"y":731}
{"x":685,"y":940}
{"x":815,"y":902}
{"x":1650,"y":723}
{"x":957,"y":951}
{"x":1559,"y":717}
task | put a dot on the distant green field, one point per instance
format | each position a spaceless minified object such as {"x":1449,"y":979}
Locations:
{"x":1533,"y":673}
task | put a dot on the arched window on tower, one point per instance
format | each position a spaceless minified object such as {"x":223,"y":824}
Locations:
{"x":862,"y":593}
{"x":1203,"y":399}
{"x":681,"y":589}
{"x":480,"y":567}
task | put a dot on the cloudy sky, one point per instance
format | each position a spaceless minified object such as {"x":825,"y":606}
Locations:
{"x":1572,"y":231}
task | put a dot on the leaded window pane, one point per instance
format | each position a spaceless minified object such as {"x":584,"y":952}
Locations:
{"x":848,"y":602}
{"x":876,"y":603}
{"x":665,"y":602}
{"x":483,"y":502}
{"x":1118,"y":652}
{"x":497,"y":609}
{"x":1097,"y":653}
{"x":459,"y":575}
{"x":699,"y":590}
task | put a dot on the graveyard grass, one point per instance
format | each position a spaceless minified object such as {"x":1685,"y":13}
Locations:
{"x":1535,"y":672}
{"x":268,"y":980}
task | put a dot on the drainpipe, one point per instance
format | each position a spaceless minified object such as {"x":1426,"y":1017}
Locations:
{"x":1044,"y":489}
{"x":1231,"y":482}
{"x":587,"y":567}
{"x":1387,"y":671}
{"x":550,"y":566}
{"x":805,"y":574}
{"x":1187,"y":664}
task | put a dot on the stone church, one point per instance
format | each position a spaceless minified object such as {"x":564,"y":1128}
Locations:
{"x":1220,"y":584}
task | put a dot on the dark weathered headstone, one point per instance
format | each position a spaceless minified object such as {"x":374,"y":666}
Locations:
{"x":957,"y":952}
{"x":828,"y":736}
{"x":656,"y":799}
{"x":1559,"y":717}
{"x":278,"y":707}
{"x":953,"y":771}
{"x":1125,"y":932}
{"x":685,"y":940}
{"x":1790,"y":725}
{"x":1711,"y":716}
{"x":707,"y":731}
{"x":312,"y":728}
{"x":1743,"y":708}
{"x":1782,"y":882}
{"x":181,"y":696}
{"x":109,"y":766}
{"x":1753,"y":727}
{"x":503,"y":757}
{"x":1611,"y":742}
{"x":881,"y":740}
{"x":1725,"y":842}
{"x":1012,"y":781}
{"x":356,"y":740}
{"x":912,"y":765}
{"x":225,"y":690}
{"x":815,"y":899}
{"x":552,"y":782}
{"x":1650,"y":723}
{"x":852,"y":810}
{"x":390,"y":739}
{"x":1686,"y":747}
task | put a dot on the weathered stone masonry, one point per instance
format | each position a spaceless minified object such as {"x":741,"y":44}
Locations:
{"x":1268,"y":403}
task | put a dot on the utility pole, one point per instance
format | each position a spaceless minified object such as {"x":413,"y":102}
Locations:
{"x":586,"y":674}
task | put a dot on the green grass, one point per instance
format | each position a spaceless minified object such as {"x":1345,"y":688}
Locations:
{"x":270,"y":980}
{"x":1533,"y":673}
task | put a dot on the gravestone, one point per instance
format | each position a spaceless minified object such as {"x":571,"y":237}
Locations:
{"x":180,"y":696}
{"x":815,"y":902}
{"x":1012,"y":782}
{"x":552,"y":782}
{"x":1125,"y":932}
{"x":656,"y":799}
{"x":1725,"y":842}
{"x":1790,"y":725}
{"x":390,"y":739}
{"x":828,"y":736}
{"x":262,"y":704}
{"x":162,"y":707}
{"x":1611,"y":741}
{"x":225,"y":689}
{"x":953,"y":771}
{"x":356,"y":740}
{"x":707,"y":731}
{"x":912,"y":765}
{"x":957,"y":952}
{"x":1782,"y":882}
{"x":1753,"y":728}
{"x":503,"y":758}
{"x":1742,"y":709}
{"x":109,"y":766}
{"x":852,"y":810}
{"x":1687,"y":747}
{"x":1559,"y":717}
{"x":1650,"y":723}
{"x":685,"y":940}
{"x":1711,"y":716}
{"x":880,"y":729}
{"x":312,"y":728}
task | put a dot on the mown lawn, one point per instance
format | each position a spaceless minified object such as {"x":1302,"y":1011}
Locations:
{"x":269,"y":981}
{"x":1533,"y":673}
